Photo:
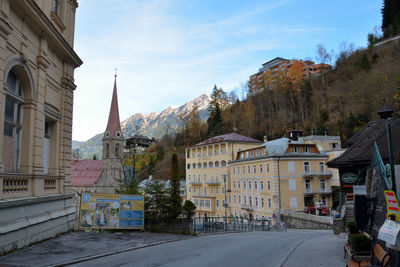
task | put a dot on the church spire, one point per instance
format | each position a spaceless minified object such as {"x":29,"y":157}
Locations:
{"x":113,"y":129}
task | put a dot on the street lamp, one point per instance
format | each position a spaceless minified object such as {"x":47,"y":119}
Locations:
{"x":225,"y":203}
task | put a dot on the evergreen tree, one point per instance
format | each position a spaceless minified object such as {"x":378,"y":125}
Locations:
{"x":390,"y":17}
{"x":214,"y":121}
{"x":175,"y":185}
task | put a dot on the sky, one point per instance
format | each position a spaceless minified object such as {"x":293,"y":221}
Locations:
{"x":168,"y":52}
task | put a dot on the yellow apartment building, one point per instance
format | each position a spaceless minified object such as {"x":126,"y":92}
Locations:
{"x":283,"y":174}
{"x":206,"y":167}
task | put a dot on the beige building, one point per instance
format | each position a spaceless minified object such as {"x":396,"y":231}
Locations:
{"x":37,"y":63}
{"x":206,"y":167}
{"x":283,"y":174}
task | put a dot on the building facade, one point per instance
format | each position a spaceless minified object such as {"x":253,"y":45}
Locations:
{"x":278,"y":68}
{"x":206,"y":167}
{"x":37,"y":63}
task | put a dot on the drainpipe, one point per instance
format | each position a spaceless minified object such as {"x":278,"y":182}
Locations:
{"x":279,"y":193}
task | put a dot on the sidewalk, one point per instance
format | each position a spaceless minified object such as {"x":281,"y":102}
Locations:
{"x":78,"y":245}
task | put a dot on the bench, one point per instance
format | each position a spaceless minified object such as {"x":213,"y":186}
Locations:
{"x":361,"y":258}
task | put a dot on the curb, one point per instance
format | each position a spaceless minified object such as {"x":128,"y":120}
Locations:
{"x":83,"y":259}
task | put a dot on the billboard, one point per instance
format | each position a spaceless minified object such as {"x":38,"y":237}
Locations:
{"x":111,"y":211}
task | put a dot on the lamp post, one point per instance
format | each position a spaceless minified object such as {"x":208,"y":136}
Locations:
{"x":225,"y":203}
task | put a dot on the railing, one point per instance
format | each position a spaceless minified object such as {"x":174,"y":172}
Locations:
{"x":195,"y":182}
{"x":310,"y":191}
{"x":246,"y":207}
{"x":325,"y":191}
{"x":213,"y":182}
{"x":317,"y":173}
{"x":202,"y":195}
{"x":15,"y":185}
{"x":232,"y":224}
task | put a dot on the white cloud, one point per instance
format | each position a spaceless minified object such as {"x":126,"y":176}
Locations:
{"x":164,"y":58}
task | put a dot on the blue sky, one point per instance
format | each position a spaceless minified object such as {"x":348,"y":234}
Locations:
{"x":168,"y":52}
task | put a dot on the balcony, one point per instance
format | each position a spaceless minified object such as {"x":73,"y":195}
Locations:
{"x":325,"y":192}
{"x":310,"y":174}
{"x":309,"y":191}
{"x":213,"y":182}
{"x":247,"y":207}
{"x":195,"y":182}
{"x":202,"y":195}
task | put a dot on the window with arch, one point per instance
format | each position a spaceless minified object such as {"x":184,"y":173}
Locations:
{"x":13,"y":114}
{"x":210,"y":164}
{"x":204,"y":164}
{"x":107,"y":151}
{"x":223,"y":163}
{"x":117,"y":150}
{"x":216,"y":164}
{"x":194,"y":165}
{"x":199,"y":165}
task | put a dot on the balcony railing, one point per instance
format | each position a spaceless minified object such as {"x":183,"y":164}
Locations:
{"x":324,"y":173}
{"x":309,"y":191}
{"x":246,"y":207}
{"x":15,"y":185}
{"x":202,"y":195}
{"x":325,"y":191}
{"x":195,"y":182}
{"x":213,"y":182}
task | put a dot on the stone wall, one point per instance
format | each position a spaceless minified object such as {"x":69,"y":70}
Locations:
{"x":299,"y":220}
{"x":33,"y":219}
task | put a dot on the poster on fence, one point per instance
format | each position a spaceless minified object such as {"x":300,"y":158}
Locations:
{"x":111,"y":211}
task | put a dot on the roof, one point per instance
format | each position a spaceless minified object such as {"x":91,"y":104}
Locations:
{"x":85,"y":172}
{"x":114,"y":124}
{"x":361,"y":144}
{"x":278,"y":148}
{"x":232,"y":137}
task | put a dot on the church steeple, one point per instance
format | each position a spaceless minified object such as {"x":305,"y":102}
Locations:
{"x":113,"y":130}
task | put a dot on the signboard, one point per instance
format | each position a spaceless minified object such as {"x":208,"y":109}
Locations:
{"x":349,"y":177}
{"x":389,"y":232}
{"x":111,"y":211}
{"x":392,"y":204}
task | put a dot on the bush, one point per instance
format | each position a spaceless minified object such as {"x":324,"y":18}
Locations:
{"x":352,"y":228}
{"x":360,"y":242}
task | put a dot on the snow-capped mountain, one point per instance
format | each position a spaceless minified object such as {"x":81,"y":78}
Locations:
{"x":154,"y":124}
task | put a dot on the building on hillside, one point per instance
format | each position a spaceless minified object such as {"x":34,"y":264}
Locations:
{"x":112,"y":173}
{"x":206,"y":167}
{"x":36,"y":106}
{"x":270,"y":71}
{"x":282,"y":174}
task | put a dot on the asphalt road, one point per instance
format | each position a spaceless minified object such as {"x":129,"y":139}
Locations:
{"x":292,"y":248}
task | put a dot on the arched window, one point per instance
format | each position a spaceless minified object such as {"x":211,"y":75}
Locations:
{"x":205,"y":165}
{"x":216,"y":164}
{"x":223,"y":163}
{"x":107,"y":151}
{"x":117,"y":150}
{"x":199,"y":165}
{"x":12,"y":140}
{"x":194,"y":165}
{"x":210,"y":164}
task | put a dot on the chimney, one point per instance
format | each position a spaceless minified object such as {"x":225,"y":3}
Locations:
{"x":265,"y":139}
{"x":295,"y":134}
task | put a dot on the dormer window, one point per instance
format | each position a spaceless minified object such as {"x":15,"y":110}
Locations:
{"x":306,"y":149}
{"x":295,"y":149}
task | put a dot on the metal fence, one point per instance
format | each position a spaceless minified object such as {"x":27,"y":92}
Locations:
{"x":232,"y":224}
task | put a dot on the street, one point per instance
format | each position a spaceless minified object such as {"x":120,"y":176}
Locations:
{"x":292,"y":248}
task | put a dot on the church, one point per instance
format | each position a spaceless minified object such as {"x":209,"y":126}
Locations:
{"x":105,"y":175}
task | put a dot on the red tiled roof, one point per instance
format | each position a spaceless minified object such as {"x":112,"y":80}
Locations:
{"x":85,"y":172}
{"x":113,"y":124}
{"x":232,"y":137}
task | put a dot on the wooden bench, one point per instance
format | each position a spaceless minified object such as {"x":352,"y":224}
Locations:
{"x":357,"y":258}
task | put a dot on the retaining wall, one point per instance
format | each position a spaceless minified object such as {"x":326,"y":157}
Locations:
{"x":300,"y":220}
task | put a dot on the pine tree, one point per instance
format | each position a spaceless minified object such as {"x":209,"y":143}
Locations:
{"x":175,"y":185}
{"x":214,"y":121}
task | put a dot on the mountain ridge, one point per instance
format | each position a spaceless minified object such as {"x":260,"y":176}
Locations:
{"x":154,"y":124}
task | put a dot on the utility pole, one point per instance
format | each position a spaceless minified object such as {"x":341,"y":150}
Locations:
{"x":226,"y":203}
